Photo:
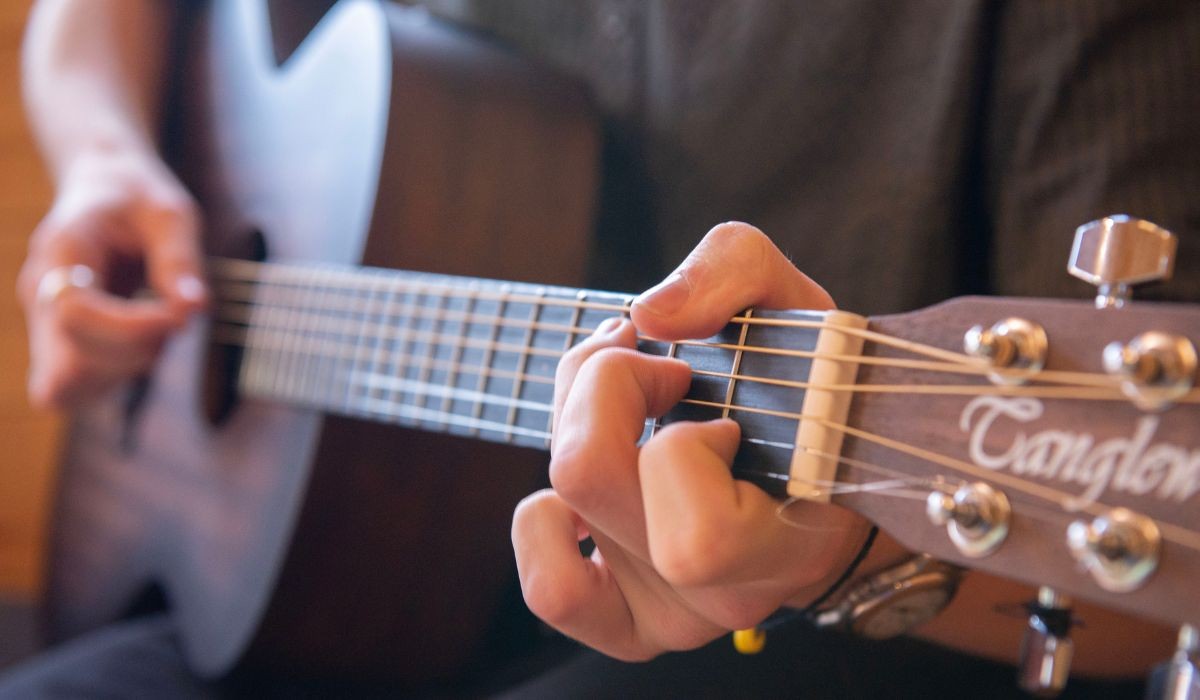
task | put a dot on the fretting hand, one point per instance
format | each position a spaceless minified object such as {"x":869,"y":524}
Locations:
{"x":112,"y":210}
{"x":684,"y":552}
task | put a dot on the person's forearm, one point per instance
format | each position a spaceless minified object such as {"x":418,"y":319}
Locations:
{"x":93,"y":76}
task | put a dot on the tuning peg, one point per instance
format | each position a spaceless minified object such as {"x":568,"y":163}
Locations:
{"x":1155,"y":368}
{"x":1046,"y":648}
{"x":1118,"y":252}
{"x":1119,"y":548}
{"x":1178,"y":679}
{"x":976,"y":517}
{"x":1013,"y":343}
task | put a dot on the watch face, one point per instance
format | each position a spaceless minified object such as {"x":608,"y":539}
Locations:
{"x":901,"y":612}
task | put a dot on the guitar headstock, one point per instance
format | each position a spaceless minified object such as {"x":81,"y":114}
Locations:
{"x":1050,"y":442}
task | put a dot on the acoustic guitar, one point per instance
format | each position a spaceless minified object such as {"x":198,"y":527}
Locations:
{"x":280,"y":533}
{"x":329,"y":503}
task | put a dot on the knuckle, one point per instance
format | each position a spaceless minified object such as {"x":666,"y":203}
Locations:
{"x":606,"y":363}
{"x":551,"y":599}
{"x":739,"y":235}
{"x":576,"y":473}
{"x":690,"y":555}
{"x":529,"y":509}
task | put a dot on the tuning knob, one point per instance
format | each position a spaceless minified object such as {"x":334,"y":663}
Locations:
{"x":1046,"y":648}
{"x":1014,"y":344}
{"x":1178,"y":679}
{"x":976,"y":517}
{"x":1155,"y":368}
{"x":1118,"y":252}
{"x":1120,"y":548}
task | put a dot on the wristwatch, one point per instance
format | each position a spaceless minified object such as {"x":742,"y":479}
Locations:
{"x":895,"y":600}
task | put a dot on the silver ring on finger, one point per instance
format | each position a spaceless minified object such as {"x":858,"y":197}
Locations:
{"x":58,"y":280}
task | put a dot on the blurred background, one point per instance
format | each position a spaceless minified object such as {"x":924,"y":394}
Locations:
{"x":27,"y":438}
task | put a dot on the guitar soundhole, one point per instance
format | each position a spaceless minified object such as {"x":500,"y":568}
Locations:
{"x":224,"y":354}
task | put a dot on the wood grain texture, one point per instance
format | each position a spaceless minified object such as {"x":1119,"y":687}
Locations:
{"x":1155,"y":475}
{"x":27,"y":439}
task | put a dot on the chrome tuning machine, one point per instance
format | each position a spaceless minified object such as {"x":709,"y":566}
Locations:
{"x":1046,"y":648}
{"x":1154,"y":368}
{"x":1118,"y":252}
{"x":1011,"y":344}
{"x":1119,"y":548}
{"x":976,"y":517}
{"x":1179,"y":678}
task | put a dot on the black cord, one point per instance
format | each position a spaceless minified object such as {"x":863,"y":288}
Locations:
{"x":841,"y":580}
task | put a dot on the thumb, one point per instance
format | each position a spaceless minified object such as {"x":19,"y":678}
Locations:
{"x":171,"y":241}
{"x":733,"y":268}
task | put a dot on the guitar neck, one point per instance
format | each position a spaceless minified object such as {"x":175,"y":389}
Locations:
{"x":477,"y":357}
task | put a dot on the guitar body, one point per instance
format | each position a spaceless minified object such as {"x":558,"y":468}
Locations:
{"x":276,"y":533}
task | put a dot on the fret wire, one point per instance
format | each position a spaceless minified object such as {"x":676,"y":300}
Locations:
{"x":279,"y":378}
{"x":407,"y":319}
{"x":356,"y":356}
{"x":736,"y":366}
{"x":384,"y":349}
{"x":488,"y":354}
{"x":437,"y":325}
{"x":672,"y":350}
{"x":329,"y":365}
{"x":568,"y":343}
{"x":458,"y":348}
{"x":273,"y":369}
{"x":378,"y":308}
{"x":523,"y":361}
{"x":302,"y":381}
{"x":269,"y":364}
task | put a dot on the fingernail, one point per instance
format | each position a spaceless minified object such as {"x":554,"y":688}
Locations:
{"x":190,"y":288}
{"x":667,"y":296}
{"x":609,"y":326}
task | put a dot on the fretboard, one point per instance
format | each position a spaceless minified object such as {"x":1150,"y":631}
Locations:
{"x":477,"y":357}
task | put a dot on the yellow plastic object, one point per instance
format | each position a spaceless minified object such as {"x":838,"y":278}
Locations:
{"x":749,"y":641}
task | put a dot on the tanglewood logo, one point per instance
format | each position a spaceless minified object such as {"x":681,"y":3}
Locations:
{"x":1134,"y":464}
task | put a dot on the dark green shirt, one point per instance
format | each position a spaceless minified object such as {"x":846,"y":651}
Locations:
{"x":901,"y":152}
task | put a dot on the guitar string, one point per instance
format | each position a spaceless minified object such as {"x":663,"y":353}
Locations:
{"x":247,"y":270}
{"x":243,"y":314}
{"x":1066,"y":502}
{"x":894,"y":476}
{"x":241,"y":310}
{"x":236,"y":335}
{"x":445,"y":289}
{"x":1063,"y":499}
{"x":727,"y":407}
